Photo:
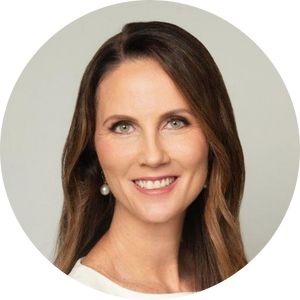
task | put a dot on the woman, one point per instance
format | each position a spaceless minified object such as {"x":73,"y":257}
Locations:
{"x":153,"y":170}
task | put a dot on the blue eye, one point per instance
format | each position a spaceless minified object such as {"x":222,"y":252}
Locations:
{"x":124,"y":126}
{"x":175,"y":123}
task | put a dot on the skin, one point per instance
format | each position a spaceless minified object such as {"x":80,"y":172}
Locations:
{"x":142,"y":250}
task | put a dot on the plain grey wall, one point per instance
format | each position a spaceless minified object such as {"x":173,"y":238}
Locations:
{"x":39,"y":113}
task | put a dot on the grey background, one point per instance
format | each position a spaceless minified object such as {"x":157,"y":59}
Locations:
{"x":39,"y":113}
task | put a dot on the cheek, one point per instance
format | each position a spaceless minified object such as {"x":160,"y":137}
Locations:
{"x":112,"y":157}
{"x":192,"y":149}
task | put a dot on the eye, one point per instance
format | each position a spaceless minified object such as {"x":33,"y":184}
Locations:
{"x":177,"y":123}
{"x":123,"y":127}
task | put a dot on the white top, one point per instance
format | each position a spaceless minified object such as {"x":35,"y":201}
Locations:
{"x":97,"y":281}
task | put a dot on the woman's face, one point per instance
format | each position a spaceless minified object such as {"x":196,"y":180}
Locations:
{"x":145,"y":128}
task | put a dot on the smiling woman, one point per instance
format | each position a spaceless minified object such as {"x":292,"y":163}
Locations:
{"x":153,"y":169}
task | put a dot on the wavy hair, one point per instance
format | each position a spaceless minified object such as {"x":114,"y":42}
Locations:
{"x":211,"y":229}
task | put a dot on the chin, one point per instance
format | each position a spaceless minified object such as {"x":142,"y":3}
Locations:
{"x":155,"y":215}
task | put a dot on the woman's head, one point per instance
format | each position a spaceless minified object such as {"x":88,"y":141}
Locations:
{"x":155,"y":55}
{"x":145,"y":128}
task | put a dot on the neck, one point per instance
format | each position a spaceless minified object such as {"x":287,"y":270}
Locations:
{"x":146,"y":252}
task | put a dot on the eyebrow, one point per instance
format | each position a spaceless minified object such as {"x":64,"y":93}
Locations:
{"x":163,"y":116}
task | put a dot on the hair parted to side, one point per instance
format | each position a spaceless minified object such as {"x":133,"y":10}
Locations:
{"x":211,"y":228}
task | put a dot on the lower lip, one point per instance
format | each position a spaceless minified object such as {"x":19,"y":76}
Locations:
{"x":163,"y":190}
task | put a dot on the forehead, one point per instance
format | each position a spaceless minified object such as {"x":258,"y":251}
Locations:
{"x":136,"y":86}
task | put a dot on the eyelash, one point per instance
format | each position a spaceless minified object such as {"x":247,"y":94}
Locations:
{"x":115,"y":125}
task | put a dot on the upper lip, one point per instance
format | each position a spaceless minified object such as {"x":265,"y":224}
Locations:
{"x":154,"y":178}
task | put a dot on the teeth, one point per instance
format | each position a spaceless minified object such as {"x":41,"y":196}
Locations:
{"x":150,"y":185}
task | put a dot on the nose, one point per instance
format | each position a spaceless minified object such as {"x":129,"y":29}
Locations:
{"x":153,"y":151}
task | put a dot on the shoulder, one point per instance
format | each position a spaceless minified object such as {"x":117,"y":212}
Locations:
{"x":89,"y":276}
{"x":86,"y":277}
{"x":80,"y":276}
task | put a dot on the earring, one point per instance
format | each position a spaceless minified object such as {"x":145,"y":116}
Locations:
{"x":104,"y":190}
{"x":205,"y":186}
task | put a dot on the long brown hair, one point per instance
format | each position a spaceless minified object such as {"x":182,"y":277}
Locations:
{"x":211,"y":228}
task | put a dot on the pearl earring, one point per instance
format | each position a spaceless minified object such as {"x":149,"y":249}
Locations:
{"x":205,"y":186}
{"x":104,"y":190}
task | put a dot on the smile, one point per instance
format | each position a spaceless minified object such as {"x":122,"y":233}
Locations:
{"x":156,"y":187}
{"x":157,"y":184}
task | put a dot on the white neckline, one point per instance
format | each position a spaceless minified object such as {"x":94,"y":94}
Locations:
{"x":94,"y":272}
